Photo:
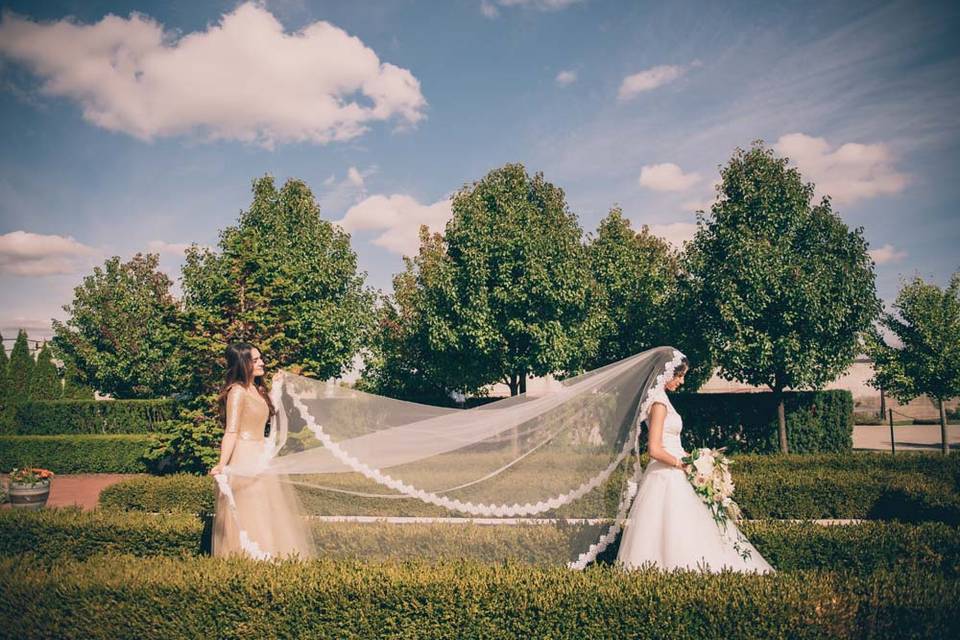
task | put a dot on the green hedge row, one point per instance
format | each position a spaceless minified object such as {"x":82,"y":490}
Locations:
{"x":913,"y":488}
{"x":91,"y":416}
{"x":817,"y":421}
{"x":129,"y":597}
{"x":789,"y":546}
{"x":54,"y":534}
{"x":76,"y":453}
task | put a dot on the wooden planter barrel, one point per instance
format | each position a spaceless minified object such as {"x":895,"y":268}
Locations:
{"x":29,"y":496}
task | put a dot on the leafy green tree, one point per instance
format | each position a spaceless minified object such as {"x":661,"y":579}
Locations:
{"x":21,"y":369}
{"x":785,"y":289}
{"x":73,"y":388}
{"x":401,"y":362}
{"x":283,"y":279}
{"x":513,"y":295}
{"x":124,"y":333}
{"x":640,"y":297}
{"x":45,"y":379}
{"x":928,"y":360}
{"x":6,"y":414}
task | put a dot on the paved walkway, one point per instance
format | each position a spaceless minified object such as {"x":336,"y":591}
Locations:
{"x":908,"y":437}
{"x":82,"y":490}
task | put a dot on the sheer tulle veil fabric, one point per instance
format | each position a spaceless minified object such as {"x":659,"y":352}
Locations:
{"x":563,"y":453}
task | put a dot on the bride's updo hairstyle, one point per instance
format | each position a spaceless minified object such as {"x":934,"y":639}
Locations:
{"x":682,"y":368}
{"x":239,"y":357}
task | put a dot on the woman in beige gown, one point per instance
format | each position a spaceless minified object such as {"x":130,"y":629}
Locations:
{"x":256,"y":514}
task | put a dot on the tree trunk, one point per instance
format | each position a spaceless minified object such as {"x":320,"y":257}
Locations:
{"x":523,"y":382}
{"x":781,"y":420}
{"x":514,"y":383}
{"x":945,"y":443}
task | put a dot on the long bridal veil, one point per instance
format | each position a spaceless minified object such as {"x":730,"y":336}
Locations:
{"x":554,"y":470}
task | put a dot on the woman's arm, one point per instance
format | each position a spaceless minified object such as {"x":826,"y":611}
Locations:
{"x":658,"y":413}
{"x":234,"y":409}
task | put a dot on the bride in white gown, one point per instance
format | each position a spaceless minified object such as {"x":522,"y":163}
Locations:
{"x":669,"y":526}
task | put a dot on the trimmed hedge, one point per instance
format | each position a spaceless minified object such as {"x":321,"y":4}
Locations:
{"x":76,"y":453}
{"x":789,"y":546}
{"x":180,"y":493}
{"x":55,"y":417}
{"x":817,"y":421}
{"x":128,"y":597}
{"x":912,"y":488}
{"x":54,"y":534}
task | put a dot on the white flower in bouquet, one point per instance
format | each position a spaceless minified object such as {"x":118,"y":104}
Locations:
{"x":704,"y":463}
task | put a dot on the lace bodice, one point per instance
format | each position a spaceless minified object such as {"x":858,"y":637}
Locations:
{"x":672,"y":424}
{"x":247,"y":413}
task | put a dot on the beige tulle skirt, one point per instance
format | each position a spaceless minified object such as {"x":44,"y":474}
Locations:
{"x":264,"y":519}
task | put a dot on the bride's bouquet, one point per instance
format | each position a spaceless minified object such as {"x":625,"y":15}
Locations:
{"x":708,"y":471}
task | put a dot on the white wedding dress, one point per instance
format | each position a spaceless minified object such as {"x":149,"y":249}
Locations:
{"x":670,"y":527}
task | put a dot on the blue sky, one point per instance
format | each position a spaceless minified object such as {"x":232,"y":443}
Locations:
{"x":142,"y":131}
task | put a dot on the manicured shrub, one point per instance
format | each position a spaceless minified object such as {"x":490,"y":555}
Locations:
{"x":861,"y":549}
{"x":912,"y":488}
{"x":171,"y":598}
{"x":75,"y":453}
{"x":92,"y":416}
{"x":180,"y":493}
{"x":817,"y":421}
{"x":53,"y":534}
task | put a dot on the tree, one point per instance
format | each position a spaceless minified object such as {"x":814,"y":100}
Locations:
{"x":21,"y":370}
{"x":284,"y":280}
{"x":511,"y":296}
{"x":6,"y":417}
{"x":73,"y":388}
{"x":928,"y":362}
{"x":45,"y":379}
{"x":641,"y":301}
{"x":785,"y":289}
{"x":401,"y":362}
{"x":124,"y":333}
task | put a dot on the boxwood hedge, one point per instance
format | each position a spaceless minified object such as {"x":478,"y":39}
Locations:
{"x":172,"y":598}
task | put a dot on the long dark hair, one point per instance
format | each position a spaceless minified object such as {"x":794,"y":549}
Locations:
{"x":239,"y":357}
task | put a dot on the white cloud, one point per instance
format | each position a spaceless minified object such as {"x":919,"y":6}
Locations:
{"x":241,"y":79}
{"x":848,"y":173}
{"x":488,"y":9}
{"x":398,"y":217}
{"x":338,"y":195}
{"x":675,"y":233}
{"x":648,"y":80}
{"x":566,"y":78}
{"x":355,"y":177}
{"x":538,"y":5}
{"x":887,"y":254}
{"x":167,"y":248}
{"x":667,"y":177}
{"x":33,"y":254}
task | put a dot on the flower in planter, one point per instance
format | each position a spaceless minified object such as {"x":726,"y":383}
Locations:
{"x":30,"y":475}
